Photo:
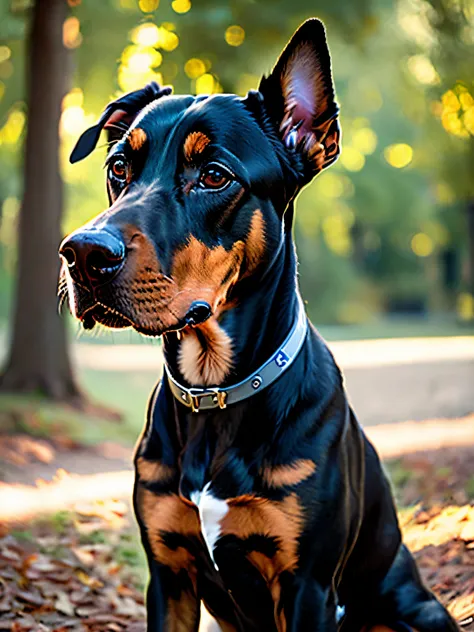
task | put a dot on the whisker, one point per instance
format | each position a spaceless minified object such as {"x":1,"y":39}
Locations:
{"x":123,"y":127}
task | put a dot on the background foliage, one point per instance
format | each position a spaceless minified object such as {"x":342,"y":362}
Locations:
{"x":386,"y":229}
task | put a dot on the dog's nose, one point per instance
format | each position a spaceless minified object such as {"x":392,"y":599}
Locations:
{"x":93,"y":256}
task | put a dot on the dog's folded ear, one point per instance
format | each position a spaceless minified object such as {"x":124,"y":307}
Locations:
{"x":299,"y":98}
{"x":117,"y":117}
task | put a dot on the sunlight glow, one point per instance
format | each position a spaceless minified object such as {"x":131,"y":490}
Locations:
{"x":423,"y":70}
{"x":73,"y":120}
{"x":73,"y":98}
{"x":146,"y":34}
{"x":19,"y":502}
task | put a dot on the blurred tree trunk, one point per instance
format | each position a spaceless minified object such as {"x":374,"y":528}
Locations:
{"x":470,"y":239}
{"x":38,"y":360}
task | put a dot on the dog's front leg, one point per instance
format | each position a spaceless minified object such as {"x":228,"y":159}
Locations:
{"x":171,"y":601}
{"x":171,"y":537}
{"x":309,"y":607}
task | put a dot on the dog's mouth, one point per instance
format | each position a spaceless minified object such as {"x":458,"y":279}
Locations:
{"x":104,"y":315}
{"x":121,"y":306}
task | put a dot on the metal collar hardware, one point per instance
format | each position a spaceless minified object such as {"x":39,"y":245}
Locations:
{"x":209,"y":398}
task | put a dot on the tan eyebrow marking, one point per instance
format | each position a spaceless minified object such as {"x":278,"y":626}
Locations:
{"x":137,"y":138}
{"x":195,"y":143}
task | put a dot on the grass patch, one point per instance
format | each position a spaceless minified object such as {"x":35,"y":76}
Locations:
{"x":127,"y":393}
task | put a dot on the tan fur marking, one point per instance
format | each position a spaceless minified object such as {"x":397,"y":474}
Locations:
{"x":290,"y":474}
{"x":282,"y":520}
{"x":210,"y":365}
{"x":255,"y":242}
{"x":145,"y":293}
{"x":195,"y":143}
{"x":206,"y":274}
{"x":169,"y":514}
{"x":153,"y":471}
{"x":182,"y":613}
{"x":137,"y":138}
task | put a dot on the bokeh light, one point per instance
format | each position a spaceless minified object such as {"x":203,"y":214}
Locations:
{"x":11,"y":132}
{"x":398,"y":155}
{"x":148,"y":6}
{"x":423,"y":70}
{"x":235,"y":35}
{"x":364,"y":140}
{"x":422,"y":245}
{"x":336,"y":231}
{"x":352,"y":159}
{"x":465,"y":306}
{"x":72,"y":37}
{"x":181,"y":6}
{"x":5,"y":53}
{"x":207,"y":84}
{"x":194,"y":68}
{"x":147,"y":34}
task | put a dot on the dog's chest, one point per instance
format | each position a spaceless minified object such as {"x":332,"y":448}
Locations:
{"x":211,"y":511}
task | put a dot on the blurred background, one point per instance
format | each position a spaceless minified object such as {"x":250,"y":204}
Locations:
{"x":385,"y":237}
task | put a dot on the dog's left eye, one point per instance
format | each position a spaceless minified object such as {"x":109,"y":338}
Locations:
{"x":118,"y":170}
{"x":215,"y":177}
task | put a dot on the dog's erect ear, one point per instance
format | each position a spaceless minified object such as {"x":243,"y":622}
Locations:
{"x":117,"y":117}
{"x":299,"y":97}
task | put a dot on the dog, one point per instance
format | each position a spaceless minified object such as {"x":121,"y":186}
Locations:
{"x":256,"y":491}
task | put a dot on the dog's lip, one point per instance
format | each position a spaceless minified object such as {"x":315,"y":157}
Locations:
{"x":98,"y":313}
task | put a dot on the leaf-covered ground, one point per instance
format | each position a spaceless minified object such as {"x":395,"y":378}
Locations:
{"x":73,"y":571}
{"x":85,"y":570}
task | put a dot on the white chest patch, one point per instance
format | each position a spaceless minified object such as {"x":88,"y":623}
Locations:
{"x":211,"y":512}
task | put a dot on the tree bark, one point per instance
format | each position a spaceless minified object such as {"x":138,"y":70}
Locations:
{"x":38,"y":359}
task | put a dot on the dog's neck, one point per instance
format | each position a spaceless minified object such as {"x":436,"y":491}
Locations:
{"x":224,"y":352}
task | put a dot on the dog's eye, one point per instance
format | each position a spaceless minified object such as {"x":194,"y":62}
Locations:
{"x":118,"y":169}
{"x":215,"y":177}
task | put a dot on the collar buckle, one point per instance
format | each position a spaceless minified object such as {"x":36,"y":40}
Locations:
{"x":217,"y":395}
{"x":195,"y":395}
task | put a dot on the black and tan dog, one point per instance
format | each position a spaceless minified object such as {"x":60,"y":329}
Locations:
{"x":256,"y":491}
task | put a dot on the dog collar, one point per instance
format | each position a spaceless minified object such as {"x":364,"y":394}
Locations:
{"x":209,"y":398}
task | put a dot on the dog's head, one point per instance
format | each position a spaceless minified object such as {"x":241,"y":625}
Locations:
{"x":198,"y":187}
